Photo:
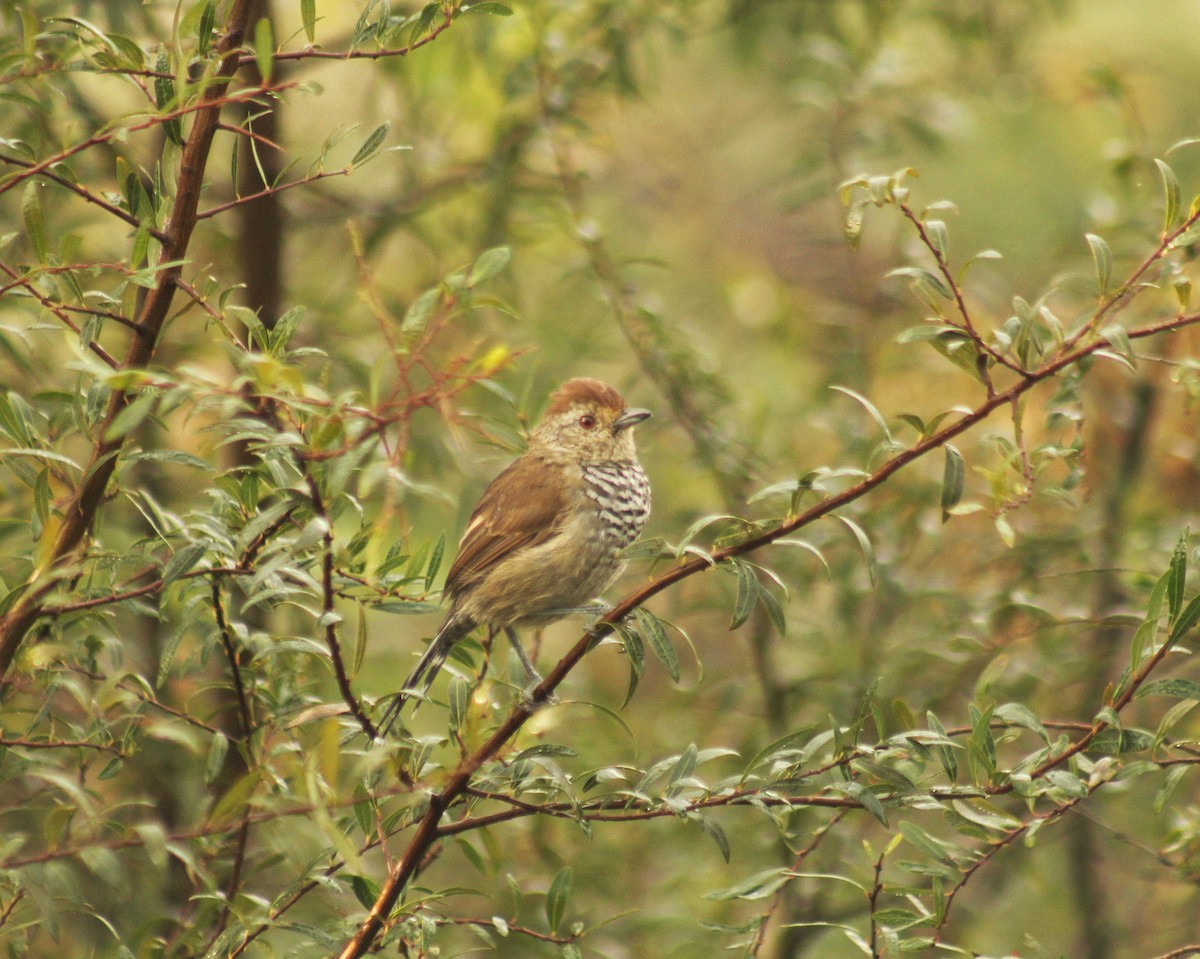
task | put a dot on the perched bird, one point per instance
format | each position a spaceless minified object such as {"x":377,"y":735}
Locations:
{"x":547,"y":533}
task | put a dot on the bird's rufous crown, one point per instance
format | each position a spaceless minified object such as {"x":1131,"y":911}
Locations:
{"x":585,"y":392}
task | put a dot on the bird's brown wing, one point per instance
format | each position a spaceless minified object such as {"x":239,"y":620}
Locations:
{"x":522,"y":507}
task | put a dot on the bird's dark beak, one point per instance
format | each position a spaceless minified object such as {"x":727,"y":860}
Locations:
{"x":629,"y":418}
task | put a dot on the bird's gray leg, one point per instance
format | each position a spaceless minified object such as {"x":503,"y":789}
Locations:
{"x":529,"y":704}
{"x":533,"y":675}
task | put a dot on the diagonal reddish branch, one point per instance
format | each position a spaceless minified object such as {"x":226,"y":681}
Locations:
{"x":428,"y":830}
{"x":79,"y":514}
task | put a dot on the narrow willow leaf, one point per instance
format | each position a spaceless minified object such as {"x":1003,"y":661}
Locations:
{"x":264,"y":48}
{"x":684,"y":766}
{"x":954,"y":475}
{"x":140,"y":248}
{"x":944,"y":753}
{"x":557,"y":896}
{"x":864,"y":543}
{"x":489,"y":263}
{"x":360,"y":639}
{"x":926,"y":278}
{"x":1102,"y":256}
{"x":636,"y":652}
{"x":747,"y":595}
{"x":1170,"y":781}
{"x":435,"y":560}
{"x":1176,"y":574}
{"x":424,"y":21}
{"x":1187,"y":619}
{"x":164,"y":96}
{"x":869,"y":407}
{"x":216,"y":757}
{"x":1170,"y":193}
{"x":1118,"y":337}
{"x":1175,"y":688}
{"x":981,"y":255}
{"x":131,"y":416}
{"x":308,"y":14}
{"x":35,"y":224}
{"x":418,"y":313}
{"x":182,"y":561}
{"x":867,"y":799}
{"x":939,"y":237}
{"x":371,"y":144}
{"x":494,"y":7}
{"x":459,"y":697}
{"x":715,"y":830}
{"x":204,"y":30}
{"x":651,"y":628}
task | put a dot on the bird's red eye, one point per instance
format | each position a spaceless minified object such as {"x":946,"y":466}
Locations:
{"x":587,"y":421}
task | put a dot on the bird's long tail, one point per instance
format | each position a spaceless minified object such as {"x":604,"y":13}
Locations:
{"x":421,"y":678}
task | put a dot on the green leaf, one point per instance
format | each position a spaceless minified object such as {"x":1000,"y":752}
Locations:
{"x":637,"y":659}
{"x":1170,"y":194}
{"x":423,"y":22}
{"x":35,"y":224}
{"x":923,"y":278}
{"x":1118,"y":337}
{"x":684,"y":766}
{"x":1017,"y":714}
{"x":1170,"y":781}
{"x":164,"y":96}
{"x":747,"y":594}
{"x":939,"y":237}
{"x":944,"y":753}
{"x":1175,"y":688}
{"x":927,"y":843}
{"x":1102,"y":256}
{"x":652,"y":631}
{"x":264,"y":48}
{"x":435,"y":560}
{"x":494,"y":7}
{"x":864,"y":543}
{"x":981,"y":749}
{"x":308,"y":14}
{"x":204,"y":29}
{"x":761,"y":885}
{"x":489,"y":263}
{"x":216,"y":757}
{"x":714,"y":829}
{"x":459,"y":696}
{"x":557,"y":896}
{"x":366,"y":891}
{"x":1187,"y":619}
{"x":981,"y":255}
{"x":954,"y":474}
{"x":867,"y":799}
{"x":182,"y":561}
{"x":418,"y":313}
{"x":1176,"y":574}
{"x":869,"y":407}
{"x":131,"y":416}
{"x":371,"y":144}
